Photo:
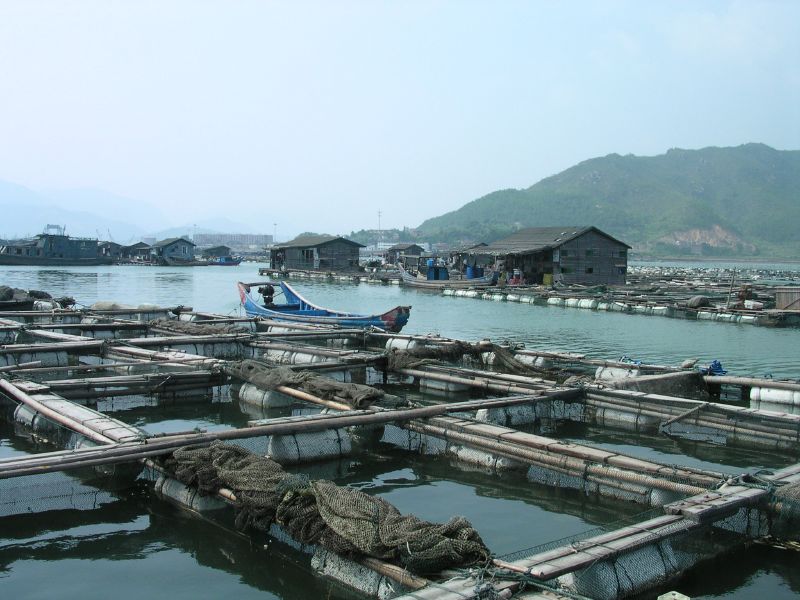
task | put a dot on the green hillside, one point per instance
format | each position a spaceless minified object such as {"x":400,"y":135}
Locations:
{"x":721,"y":201}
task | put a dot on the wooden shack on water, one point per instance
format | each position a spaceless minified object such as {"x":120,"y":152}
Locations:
{"x":569,"y":254}
{"x":176,"y":249}
{"x":317,"y":253}
{"x":408,"y":254}
{"x":140,"y":252}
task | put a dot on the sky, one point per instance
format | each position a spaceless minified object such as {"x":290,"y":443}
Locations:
{"x":316,"y":115}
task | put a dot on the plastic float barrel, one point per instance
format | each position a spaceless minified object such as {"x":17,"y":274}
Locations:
{"x":775,"y":396}
{"x":401,"y":344}
{"x":303,"y":447}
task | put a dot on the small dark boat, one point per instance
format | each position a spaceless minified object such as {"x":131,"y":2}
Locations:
{"x":438,"y":278}
{"x":299,"y":310}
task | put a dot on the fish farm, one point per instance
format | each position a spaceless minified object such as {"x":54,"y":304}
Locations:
{"x":596,"y":477}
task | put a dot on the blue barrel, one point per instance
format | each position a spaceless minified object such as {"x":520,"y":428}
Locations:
{"x":430,"y":262}
{"x":470,"y":272}
{"x":478,"y":271}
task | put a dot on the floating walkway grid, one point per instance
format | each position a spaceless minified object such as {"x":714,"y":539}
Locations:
{"x":309,"y":395}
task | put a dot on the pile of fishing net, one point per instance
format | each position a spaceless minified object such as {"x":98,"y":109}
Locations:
{"x":196,"y":327}
{"x":343,"y":520}
{"x":787,"y":497}
{"x":504,"y":359}
{"x":416,"y":356}
{"x":789,"y":492}
{"x":269,"y":378}
{"x":9,"y":294}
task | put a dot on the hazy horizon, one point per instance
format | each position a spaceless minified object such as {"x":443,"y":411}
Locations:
{"x":317,"y":115}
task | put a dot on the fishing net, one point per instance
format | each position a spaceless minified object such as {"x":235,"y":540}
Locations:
{"x":786,"y":504}
{"x":343,"y":520}
{"x":195,"y":328}
{"x":504,"y":359}
{"x":269,"y":378}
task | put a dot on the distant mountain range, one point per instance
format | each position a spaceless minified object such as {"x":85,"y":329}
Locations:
{"x":715,"y":201}
{"x":94,"y":213}
{"x":742,"y":201}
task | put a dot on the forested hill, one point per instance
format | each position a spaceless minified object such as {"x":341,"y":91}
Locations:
{"x":721,"y":201}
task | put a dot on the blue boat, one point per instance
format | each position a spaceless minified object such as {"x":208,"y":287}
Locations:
{"x":297,"y":309}
{"x":224,"y":261}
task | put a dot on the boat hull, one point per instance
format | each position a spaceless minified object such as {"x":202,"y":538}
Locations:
{"x":224,"y":261}
{"x":411,"y":281}
{"x":392,"y":320}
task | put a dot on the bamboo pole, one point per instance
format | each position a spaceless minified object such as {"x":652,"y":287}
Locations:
{"x":285,"y":426}
{"x":310,"y":350}
{"x":393,"y":572}
{"x":532,"y":381}
{"x":582,"y":467}
{"x":752,"y":382}
{"x":680,"y":404}
{"x":89,"y":345}
{"x":714,"y":413}
{"x":480,"y":383}
{"x":23,"y":398}
{"x":100,"y":367}
{"x":300,"y":395}
{"x":736,"y":429}
{"x":27,"y":366}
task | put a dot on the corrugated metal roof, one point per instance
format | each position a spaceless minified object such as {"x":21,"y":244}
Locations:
{"x":535,"y":239}
{"x":309,"y":241}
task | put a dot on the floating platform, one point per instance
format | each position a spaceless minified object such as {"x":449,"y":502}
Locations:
{"x":307,"y":396}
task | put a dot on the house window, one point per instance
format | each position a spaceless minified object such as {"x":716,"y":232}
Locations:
{"x":590,"y":252}
{"x":622,"y":253}
{"x":566,"y":270}
{"x":621,"y":270}
{"x":563,"y":253}
{"x":590,"y":269}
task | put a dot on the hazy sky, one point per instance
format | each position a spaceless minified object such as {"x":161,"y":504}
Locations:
{"x":316,"y":115}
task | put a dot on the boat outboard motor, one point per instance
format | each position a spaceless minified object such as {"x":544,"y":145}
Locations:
{"x":268,"y":292}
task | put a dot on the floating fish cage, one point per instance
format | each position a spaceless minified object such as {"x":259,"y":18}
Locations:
{"x":302,"y":399}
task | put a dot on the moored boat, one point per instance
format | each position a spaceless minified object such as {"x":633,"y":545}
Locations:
{"x":438,"y":282}
{"x":224,"y":261}
{"x":53,"y":248}
{"x":297,"y":309}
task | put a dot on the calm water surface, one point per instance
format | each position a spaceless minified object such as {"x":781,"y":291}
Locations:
{"x":138,"y":546}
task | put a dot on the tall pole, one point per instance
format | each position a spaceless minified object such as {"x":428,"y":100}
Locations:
{"x":378,"y":245}
{"x":274,"y":233}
